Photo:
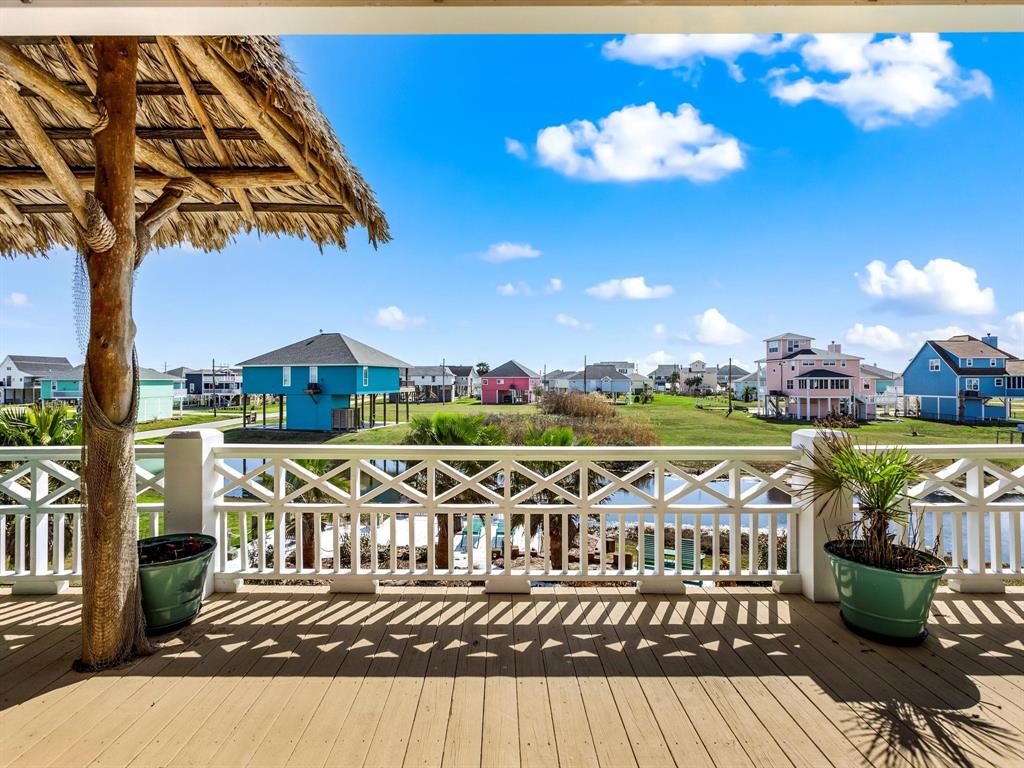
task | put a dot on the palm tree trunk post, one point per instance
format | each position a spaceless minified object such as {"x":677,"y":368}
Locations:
{"x":113,"y":629}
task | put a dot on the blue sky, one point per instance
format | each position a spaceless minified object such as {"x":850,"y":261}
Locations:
{"x":654,"y":199}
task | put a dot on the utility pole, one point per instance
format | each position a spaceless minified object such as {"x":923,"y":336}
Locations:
{"x":213,"y":375}
{"x":728,"y":392}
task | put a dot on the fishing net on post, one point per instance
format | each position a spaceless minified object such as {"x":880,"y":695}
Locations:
{"x":109,"y":534}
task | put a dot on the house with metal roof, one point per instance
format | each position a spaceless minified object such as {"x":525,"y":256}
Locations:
{"x":510,"y":383}
{"x":602,"y":378}
{"x":964,"y":378}
{"x":156,"y":390}
{"x":20,"y":376}
{"x":327,"y":382}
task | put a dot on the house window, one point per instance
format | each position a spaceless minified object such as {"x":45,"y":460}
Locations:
{"x":789,"y":383}
{"x":792,"y":345}
{"x":366,"y":376}
{"x":501,"y":381}
{"x":831,"y":362}
{"x":969,"y":362}
{"x":867,"y":385}
{"x":286,"y":376}
{"x":313,"y":374}
{"x":773,"y":346}
{"x":933,"y":364}
{"x":484,"y":382}
{"x":973,"y":385}
{"x":999,"y":382}
{"x":993,"y":363}
{"x":843,"y":363}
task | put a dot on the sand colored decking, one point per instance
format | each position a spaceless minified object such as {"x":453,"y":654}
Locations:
{"x":428,"y":677}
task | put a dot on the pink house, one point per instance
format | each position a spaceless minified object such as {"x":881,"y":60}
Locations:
{"x":799,"y":381}
{"x":508,"y":383}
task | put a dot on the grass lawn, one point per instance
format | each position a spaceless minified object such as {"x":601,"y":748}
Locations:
{"x":188,"y":420}
{"x":676,"y":419}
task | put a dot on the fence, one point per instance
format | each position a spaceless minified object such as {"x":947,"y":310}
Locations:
{"x":509,"y":516}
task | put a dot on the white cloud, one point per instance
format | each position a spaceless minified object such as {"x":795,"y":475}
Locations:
{"x":880,"y":82}
{"x":554,"y":285}
{"x":17,"y":300}
{"x":914,"y":339}
{"x":694,"y":356}
{"x":515,"y":289}
{"x":395,"y":319}
{"x":661,"y":331}
{"x":877,"y":337}
{"x":648,"y":363}
{"x":506,"y":251}
{"x":515,"y":148}
{"x":942,"y":285}
{"x":638,"y":143}
{"x":690,"y":51}
{"x":629,"y":288}
{"x":713,"y":328}
{"x":571,"y":322}
{"x":1013,"y":333}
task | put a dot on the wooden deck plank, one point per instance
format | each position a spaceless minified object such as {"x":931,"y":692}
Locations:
{"x":600,"y":677}
{"x":680,"y":618}
{"x":390,"y":739}
{"x":499,"y":746}
{"x":643,"y":730}
{"x":340,"y":626}
{"x":464,"y":735}
{"x":430,"y":720}
{"x":537,"y":744}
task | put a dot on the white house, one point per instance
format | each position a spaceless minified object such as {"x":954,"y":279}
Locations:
{"x":20,"y":376}
{"x":433,"y":383}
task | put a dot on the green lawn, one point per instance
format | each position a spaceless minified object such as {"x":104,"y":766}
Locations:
{"x":187,"y":420}
{"x":676,"y":419}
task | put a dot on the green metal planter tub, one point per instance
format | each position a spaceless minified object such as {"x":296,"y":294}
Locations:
{"x":172,"y":572}
{"x":888,"y":606}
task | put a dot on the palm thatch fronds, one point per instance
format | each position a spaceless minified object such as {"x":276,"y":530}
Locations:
{"x":265,"y":155}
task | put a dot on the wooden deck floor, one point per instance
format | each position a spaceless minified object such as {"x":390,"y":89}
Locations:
{"x":564,"y":677}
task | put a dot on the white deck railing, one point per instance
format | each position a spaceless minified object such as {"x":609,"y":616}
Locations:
{"x":364,"y":509}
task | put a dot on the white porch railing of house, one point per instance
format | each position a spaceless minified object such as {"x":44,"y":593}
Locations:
{"x":365,"y":508}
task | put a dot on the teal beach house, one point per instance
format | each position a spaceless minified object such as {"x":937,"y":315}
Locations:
{"x":329,"y":382}
{"x":156,"y":391}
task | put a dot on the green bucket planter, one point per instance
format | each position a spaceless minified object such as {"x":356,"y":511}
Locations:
{"x":889,"y":606}
{"x":172,"y":574}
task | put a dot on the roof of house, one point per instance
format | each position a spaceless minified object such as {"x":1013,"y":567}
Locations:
{"x":431,"y":370}
{"x":821,"y":373}
{"x":735,"y":370}
{"x":181,"y":370}
{"x":820,"y":354}
{"x":75,"y":374}
{"x":879,"y":373}
{"x":558,"y":373}
{"x":746,"y":379}
{"x":784,"y":336}
{"x":1015,"y":367}
{"x":956,"y":347}
{"x":597,"y":372}
{"x":35,"y":365}
{"x":639,"y":377}
{"x":666,"y":370}
{"x":512,"y":370}
{"x":327,"y":349}
{"x":461,"y":370}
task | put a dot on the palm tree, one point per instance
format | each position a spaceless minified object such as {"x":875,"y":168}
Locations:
{"x":452,"y":429}
{"x":46,"y":424}
{"x":673,"y":381}
{"x":551,"y":437}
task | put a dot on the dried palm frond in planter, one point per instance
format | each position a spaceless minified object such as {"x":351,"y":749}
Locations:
{"x":885,"y":588}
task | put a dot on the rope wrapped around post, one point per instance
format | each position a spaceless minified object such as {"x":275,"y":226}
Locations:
{"x":174,"y":193}
{"x":108,"y":455}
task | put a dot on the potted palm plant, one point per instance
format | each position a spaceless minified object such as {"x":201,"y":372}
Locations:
{"x":885,"y":588}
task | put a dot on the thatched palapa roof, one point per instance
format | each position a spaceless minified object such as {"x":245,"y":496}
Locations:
{"x":229,"y":111}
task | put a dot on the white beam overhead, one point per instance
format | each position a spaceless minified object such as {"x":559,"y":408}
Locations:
{"x":248,"y":17}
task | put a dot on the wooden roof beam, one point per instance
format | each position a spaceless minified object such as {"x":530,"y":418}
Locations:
{"x":205,"y":123}
{"x":322,"y":209}
{"x":71,"y":49}
{"x":8,"y":207}
{"x":214,"y":69}
{"x":45,"y":154}
{"x":157,"y":134}
{"x":224,"y":178}
{"x":27,"y":73}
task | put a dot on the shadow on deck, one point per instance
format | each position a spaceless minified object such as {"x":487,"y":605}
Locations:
{"x":431,"y":676}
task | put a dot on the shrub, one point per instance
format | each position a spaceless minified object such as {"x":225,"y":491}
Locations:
{"x":576,"y":404}
{"x":518,"y":428}
{"x":837,"y":421}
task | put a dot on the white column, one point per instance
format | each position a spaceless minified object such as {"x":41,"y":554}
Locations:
{"x":814,"y":528}
{"x":189,"y":486}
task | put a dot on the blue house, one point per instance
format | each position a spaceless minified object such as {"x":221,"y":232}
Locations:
{"x":327,"y":381}
{"x":603,"y":378}
{"x":964,"y":379}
